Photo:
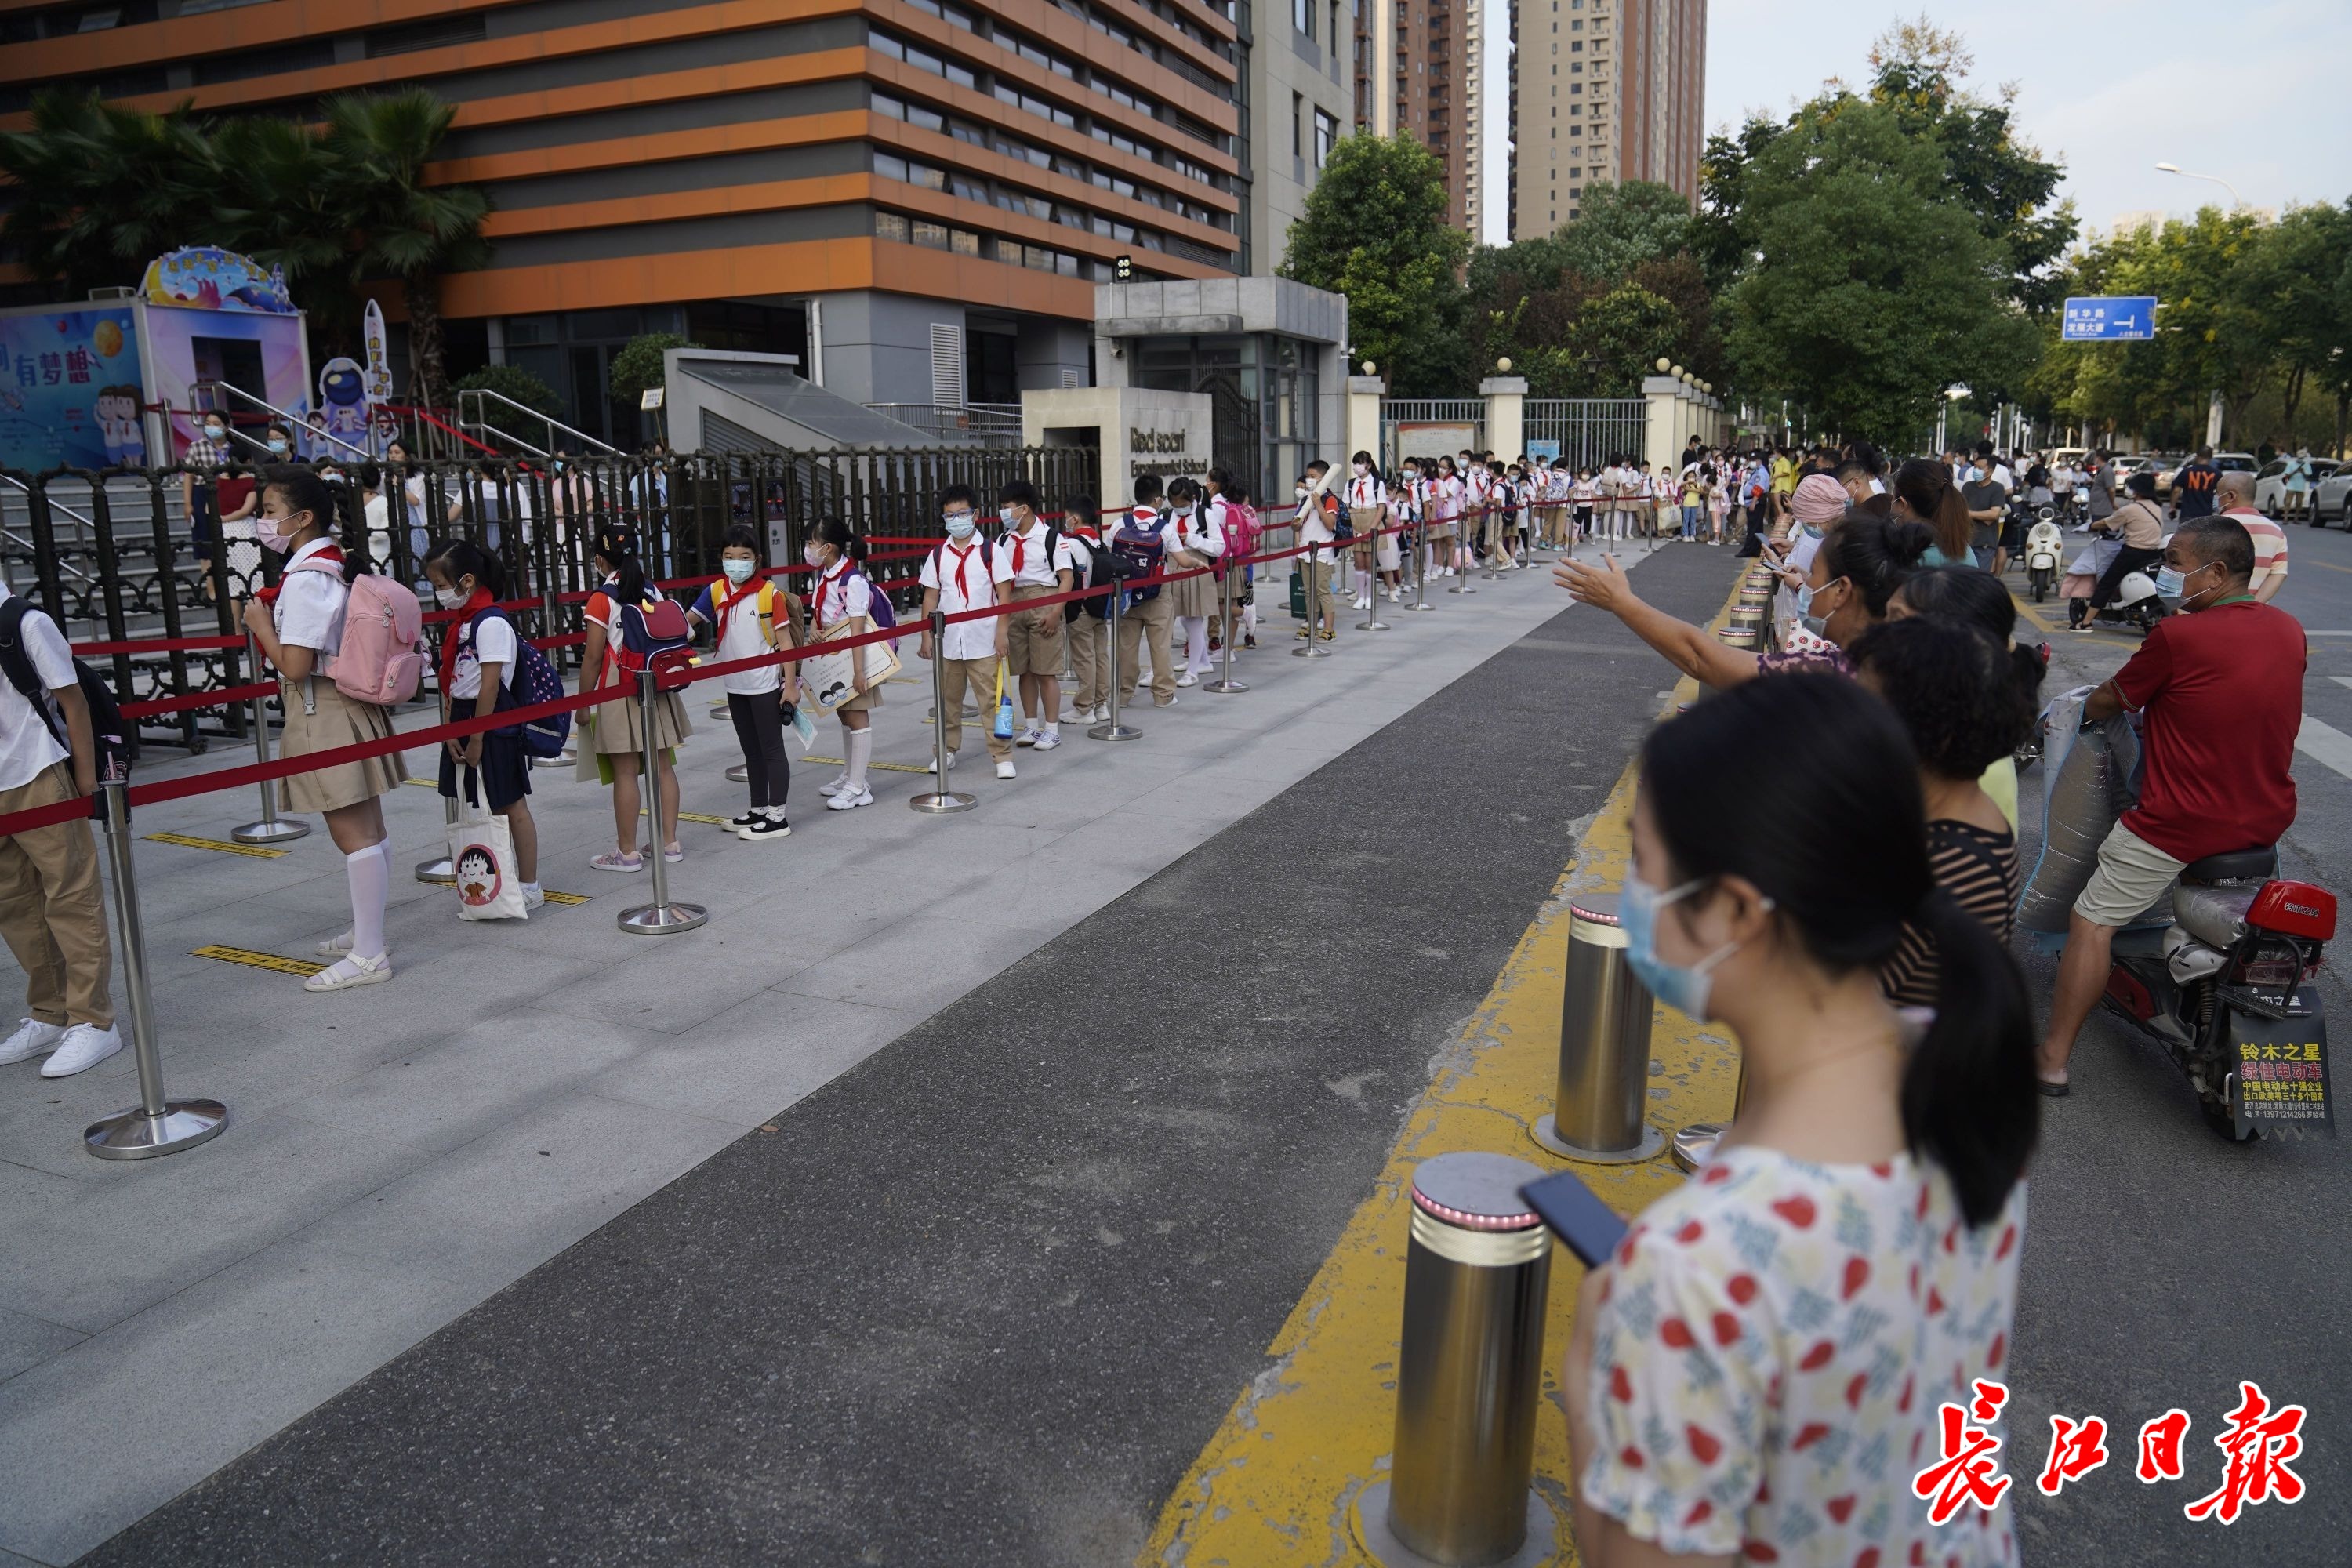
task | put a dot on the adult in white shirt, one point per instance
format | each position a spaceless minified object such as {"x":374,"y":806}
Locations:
{"x":1368,"y":513}
{"x":962,"y":573}
{"x":51,"y":912}
{"x":1040,"y":562}
{"x":2233,"y":497}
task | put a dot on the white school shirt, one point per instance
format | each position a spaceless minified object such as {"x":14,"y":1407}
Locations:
{"x":967,"y":578}
{"x":1026,"y":557}
{"x":1313,"y":527}
{"x":309,"y":608}
{"x":842,"y":594}
{"x":1365,"y":492}
{"x":26,"y":746}
{"x":1585,"y":491}
{"x":495,"y":645}
{"x":1202,"y":533}
{"x":741,"y":639}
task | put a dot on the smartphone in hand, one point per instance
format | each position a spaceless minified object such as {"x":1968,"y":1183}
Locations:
{"x":1574,"y":1212}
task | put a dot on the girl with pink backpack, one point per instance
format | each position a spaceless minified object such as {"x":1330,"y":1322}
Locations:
{"x":346,"y":644}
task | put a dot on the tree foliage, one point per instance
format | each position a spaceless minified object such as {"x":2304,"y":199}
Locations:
{"x":639,"y":365}
{"x":513,"y":381}
{"x":1375,"y":230}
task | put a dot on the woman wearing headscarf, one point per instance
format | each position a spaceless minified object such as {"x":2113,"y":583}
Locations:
{"x":1818,"y":501}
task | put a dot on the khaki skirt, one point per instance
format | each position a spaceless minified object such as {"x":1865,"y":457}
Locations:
{"x":616,"y":730}
{"x":337,"y":722}
{"x":1195,"y":596}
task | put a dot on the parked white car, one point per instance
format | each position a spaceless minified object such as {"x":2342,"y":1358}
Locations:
{"x":2270,"y":484}
{"x":2331,"y":498}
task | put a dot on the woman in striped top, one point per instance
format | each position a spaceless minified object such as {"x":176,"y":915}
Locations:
{"x":1956,"y":690}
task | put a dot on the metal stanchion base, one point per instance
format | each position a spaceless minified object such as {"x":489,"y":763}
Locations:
{"x":1547,"y":1134}
{"x":1225,"y":688}
{"x":1424,"y":605}
{"x":1312,"y":650}
{"x":133,"y":1134}
{"x":440,"y":873}
{"x":1694,"y":1143}
{"x":1373,"y":625}
{"x":1370,"y":1519}
{"x":662,"y":919}
{"x":284,"y":830}
{"x":942,"y":802}
{"x":1460,"y":588}
{"x":740,"y":774}
{"x":1114,"y":731}
{"x":567,"y":761}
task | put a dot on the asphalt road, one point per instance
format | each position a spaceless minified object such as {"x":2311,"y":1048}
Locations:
{"x":2164,"y":1265}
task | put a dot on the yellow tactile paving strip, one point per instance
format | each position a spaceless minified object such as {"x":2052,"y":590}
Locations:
{"x":1278,"y":1483}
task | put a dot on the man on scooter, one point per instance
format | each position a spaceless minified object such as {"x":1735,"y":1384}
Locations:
{"x":2219,"y":690}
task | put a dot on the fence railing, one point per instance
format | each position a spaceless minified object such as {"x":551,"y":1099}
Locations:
{"x":1430,"y":426}
{"x":116,"y":560}
{"x":1588,"y":432}
{"x":985,"y":424}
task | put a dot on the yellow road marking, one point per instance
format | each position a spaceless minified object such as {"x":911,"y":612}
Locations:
{"x":692,"y":817}
{"x":2025,"y":608}
{"x":224,"y":845}
{"x":424,"y":783}
{"x":272,"y":961}
{"x":1276,"y":1484}
{"x":2327,"y":566}
{"x":885,"y":767}
{"x":555,"y":898}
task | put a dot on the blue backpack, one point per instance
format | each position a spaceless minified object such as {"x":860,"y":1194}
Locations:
{"x":1138,"y":551}
{"x":880,"y":610}
{"x":535,"y":681}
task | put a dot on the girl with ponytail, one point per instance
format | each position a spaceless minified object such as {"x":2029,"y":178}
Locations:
{"x":611,"y":744}
{"x":1780,"y":1333}
{"x":1924,"y":491}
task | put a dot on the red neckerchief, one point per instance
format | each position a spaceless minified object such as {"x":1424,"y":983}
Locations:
{"x":834,"y":580}
{"x":962,"y":556}
{"x":459,"y":635}
{"x":1020,"y":551}
{"x":725,"y":597}
{"x":270,"y":595}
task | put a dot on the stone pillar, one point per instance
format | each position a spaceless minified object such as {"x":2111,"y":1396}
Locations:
{"x":1364,"y":395}
{"x":1506,"y":421}
{"x":1661,"y":433}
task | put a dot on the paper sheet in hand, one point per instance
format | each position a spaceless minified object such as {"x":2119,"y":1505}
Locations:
{"x":829,"y":678}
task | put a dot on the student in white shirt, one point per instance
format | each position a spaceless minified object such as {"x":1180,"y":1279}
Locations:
{"x":754,"y":618}
{"x":1040,"y":562}
{"x":1317,"y":509}
{"x":1145,"y":540}
{"x":962,"y":573}
{"x":480,"y":652}
{"x":1445,"y":512}
{"x":299,"y":626}
{"x":841,"y":604}
{"x":1368,"y":513}
{"x":52,"y":914}
{"x":1199,"y":541}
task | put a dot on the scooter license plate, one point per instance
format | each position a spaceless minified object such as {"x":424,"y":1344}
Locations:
{"x":2282,"y":1064}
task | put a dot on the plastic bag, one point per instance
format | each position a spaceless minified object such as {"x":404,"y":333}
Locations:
{"x":481,"y":852}
{"x":2089,"y":780}
{"x":1004,"y":706}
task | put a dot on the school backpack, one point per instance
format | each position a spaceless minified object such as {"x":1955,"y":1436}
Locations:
{"x":382,"y":660}
{"x":655,"y":636}
{"x":880,"y":611}
{"x":1335,"y":512}
{"x":535,"y":681}
{"x":1097,"y":566}
{"x":1241,"y":531}
{"x":118,"y":740}
{"x":1137,"y":550}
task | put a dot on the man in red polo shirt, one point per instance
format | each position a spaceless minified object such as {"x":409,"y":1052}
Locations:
{"x":2220,"y":692}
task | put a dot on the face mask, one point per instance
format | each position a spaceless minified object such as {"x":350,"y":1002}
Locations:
{"x":813,"y":554}
{"x":1813,"y":529}
{"x":332,"y":477}
{"x":216,"y":433}
{"x":1300,"y":492}
{"x":738,"y":572}
{"x":278,"y":446}
{"x":1361,"y":469}
{"x":1683,"y":988}
{"x":958,"y":525}
{"x":1006,"y":515}
{"x":450,"y":598}
{"x":1817,"y":624}
{"x":2168,"y":583}
{"x":268,"y":532}
{"x":557,"y":466}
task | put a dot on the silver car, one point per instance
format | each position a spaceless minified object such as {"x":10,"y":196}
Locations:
{"x":2331,"y":498}
{"x":2270,"y":484}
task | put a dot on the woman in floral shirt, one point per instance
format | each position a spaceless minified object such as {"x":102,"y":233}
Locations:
{"x":1757,"y":1373}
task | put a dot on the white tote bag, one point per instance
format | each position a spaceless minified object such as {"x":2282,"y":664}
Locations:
{"x":481,"y":852}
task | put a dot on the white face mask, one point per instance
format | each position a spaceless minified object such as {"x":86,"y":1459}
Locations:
{"x":738,"y":572}
{"x":1007,"y":516}
{"x":960,"y":524}
{"x":814,"y":554}
{"x":216,"y":433}
{"x":1363,"y":469}
{"x":450,"y":598}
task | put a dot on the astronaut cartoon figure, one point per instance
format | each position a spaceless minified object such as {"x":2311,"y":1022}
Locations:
{"x":116,"y":410}
{"x":343,"y":399}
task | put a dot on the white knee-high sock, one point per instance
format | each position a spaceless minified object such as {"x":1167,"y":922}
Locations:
{"x":1196,"y":642}
{"x":861,"y":752}
{"x":369,"y":871}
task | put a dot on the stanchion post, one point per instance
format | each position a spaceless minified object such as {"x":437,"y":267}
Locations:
{"x":1469,"y":1375}
{"x":549,"y":613}
{"x":660,"y":918}
{"x":156,"y":1125}
{"x":1605,"y":1046}
{"x":941,"y":799}
{"x":1112,"y":729}
{"x":1421,"y":568}
{"x":1226,"y":685}
{"x":1372,"y":621}
{"x":271,"y":828}
{"x":1310,"y":648}
{"x":1460,"y":582}
{"x":439,"y":871}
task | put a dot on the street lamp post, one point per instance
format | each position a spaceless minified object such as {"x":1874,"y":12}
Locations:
{"x":2235,"y":199}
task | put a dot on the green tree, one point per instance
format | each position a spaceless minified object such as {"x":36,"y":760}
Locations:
{"x":377,"y":146}
{"x":282,"y":209}
{"x":639,"y":365}
{"x":513,"y":381}
{"x":1375,"y":230}
{"x":101,"y":191}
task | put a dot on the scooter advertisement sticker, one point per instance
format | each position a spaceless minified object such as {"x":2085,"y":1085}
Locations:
{"x":2283,"y":1075}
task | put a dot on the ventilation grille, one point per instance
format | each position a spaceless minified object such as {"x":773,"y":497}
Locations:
{"x":947,"y":364}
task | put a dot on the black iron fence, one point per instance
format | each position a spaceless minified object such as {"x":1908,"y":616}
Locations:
{"x":148,"y":571}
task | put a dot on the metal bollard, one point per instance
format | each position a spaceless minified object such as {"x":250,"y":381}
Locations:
{"x":1372,"y":621}
{"x":941,"y":799}
{"x":1313,"y":647}
{"x":1605,"y":1046}
{"x":155,"y":1125}
{"x":1226,"y":685}
{"x":439,"y":872}
{"x":1112,"y":729}
{"x":1694,"y":1143}
{"x":1461,"y":583}
{"x":1469,"y":1373}
{"x":271,"y":828}
{"x":740,"y":774}
{"x":660,"y":918}
{"x":1419,"y":537}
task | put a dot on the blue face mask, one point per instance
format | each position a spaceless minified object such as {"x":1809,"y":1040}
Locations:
{"x":2169,"y":584}
{"x":959,"y":524}
{"x":1683,"y":988}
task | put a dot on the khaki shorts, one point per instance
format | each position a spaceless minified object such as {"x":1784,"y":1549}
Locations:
{"x":2132,"y":875}
{"x":1028,"y":650}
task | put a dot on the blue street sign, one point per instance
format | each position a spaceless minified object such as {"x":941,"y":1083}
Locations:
{"x":2120,"y":319}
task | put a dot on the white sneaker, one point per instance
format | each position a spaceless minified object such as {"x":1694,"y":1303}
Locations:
{"x":847,"y":799}
{"x":1048,"y":741}
{"x":1078,"y":716}
{"x":833,"y":785}
{"x":1027,"y":737}
{"x":935,"y":764}
{"x":351,"y":970}
{"x":1101,"y":714}
{"x":1188,"y":679}
{"x":85,"y":1046}
{"x":32,"y":1037}
{"x":534,"y":897}
{"x":1004,"y":767}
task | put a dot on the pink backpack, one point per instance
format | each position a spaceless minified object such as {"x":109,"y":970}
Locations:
{"x":382,"y":661}
{"x":1241,"y":531}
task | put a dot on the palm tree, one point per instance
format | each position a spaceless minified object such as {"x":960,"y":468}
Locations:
{"x":279,"y":208}
{"x":103,"y":191}
{"x":377,"y":147}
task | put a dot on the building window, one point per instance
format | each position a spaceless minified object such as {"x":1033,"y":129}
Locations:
{"x":890,"y":226}
{"x":1302,"y":16}
{"x":1298,"y":124}
{"x":1326,"y":136}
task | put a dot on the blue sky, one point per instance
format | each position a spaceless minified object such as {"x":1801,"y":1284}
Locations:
{"x":2258,"y":92}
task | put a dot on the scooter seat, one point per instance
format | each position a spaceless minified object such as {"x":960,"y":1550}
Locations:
{"x":2214,"y":916}
{"x":2234,"y":865}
